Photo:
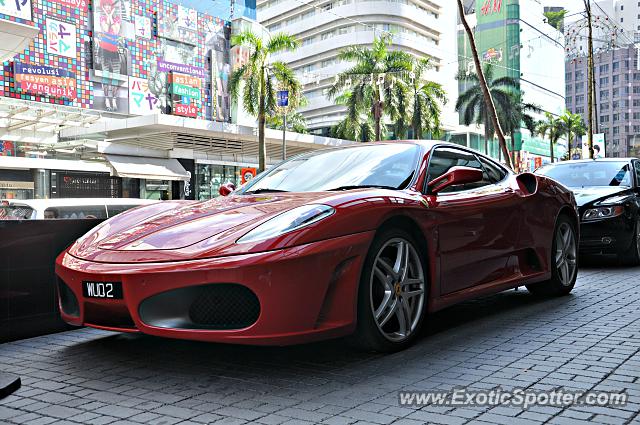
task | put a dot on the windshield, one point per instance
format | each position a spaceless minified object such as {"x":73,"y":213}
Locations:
{"x":588,"y":174}
{"x":386,"y":165}
{"x":15,"y":211}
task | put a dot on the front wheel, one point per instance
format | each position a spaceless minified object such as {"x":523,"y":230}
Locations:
{"x":392,"y":293}
{"x":632,"y":256}
{"x":564,"y":261}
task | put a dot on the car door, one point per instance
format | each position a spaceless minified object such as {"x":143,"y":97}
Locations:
{"x":477,"y":222}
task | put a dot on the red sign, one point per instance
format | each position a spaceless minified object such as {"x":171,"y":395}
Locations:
{"x":247,"y":174}
{"x":491,"y":6}
{"x":537,"y":162}
{"x":190,"y":111}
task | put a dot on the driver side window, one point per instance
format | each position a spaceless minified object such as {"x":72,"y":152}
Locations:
{"x":443,"y":159}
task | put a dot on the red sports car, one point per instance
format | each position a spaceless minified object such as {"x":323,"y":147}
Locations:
{"x":361,"y":241}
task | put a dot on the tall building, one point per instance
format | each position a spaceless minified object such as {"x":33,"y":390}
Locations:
{"x":425,"y":28}
{"x":514,"y":37}
{"x":617,"y":76}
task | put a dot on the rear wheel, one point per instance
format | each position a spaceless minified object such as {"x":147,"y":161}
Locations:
{"x":392,"y":293}
{"x":564,"y":261}
{"x":632,"y":256}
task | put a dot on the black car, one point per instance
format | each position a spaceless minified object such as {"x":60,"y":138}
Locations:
{"x":607,"y":192}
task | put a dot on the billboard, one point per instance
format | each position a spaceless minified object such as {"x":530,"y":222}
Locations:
{"x":61,"y":38}
{"x":44,"y":80}
{"x":16,"y":8}
{"x":598,"y":146}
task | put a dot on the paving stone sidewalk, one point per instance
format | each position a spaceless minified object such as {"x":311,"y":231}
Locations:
{"x":589,"y":340}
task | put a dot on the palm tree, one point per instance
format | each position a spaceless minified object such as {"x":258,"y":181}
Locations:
{"x":426,"y":100}
{"x":573,"y":125}
{"x":357,"y":124}
{"x":261,"y":77}
{"x":551,"y":128}
{"x":518,"y":114}
{"x":484,"y":87}
{"x":371,"y":82}
{"x":472,"y":104}
{"x":295,"y":122}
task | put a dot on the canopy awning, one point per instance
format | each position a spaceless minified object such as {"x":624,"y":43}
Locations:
{"x":137,"y":167}
{"x":19,"y":163}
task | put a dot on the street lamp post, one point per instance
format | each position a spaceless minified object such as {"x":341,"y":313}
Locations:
{"x":283,"y":102}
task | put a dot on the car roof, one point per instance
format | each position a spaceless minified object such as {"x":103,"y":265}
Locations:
{"x":582,"y":161}
{"x":38,"y":204}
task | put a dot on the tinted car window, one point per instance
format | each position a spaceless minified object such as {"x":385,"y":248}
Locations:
{"x":636,"y":165}
{"x":588,"y":174}
{"x":15,"y":211}
{"x":117,"y":209}
{"x":391,"y":165}
{"x":492,"y":172}
{"x":84,"y":211}
{"x":444,"y":159}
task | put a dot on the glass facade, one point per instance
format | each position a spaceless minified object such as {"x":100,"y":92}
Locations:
{"x":209,"y":177}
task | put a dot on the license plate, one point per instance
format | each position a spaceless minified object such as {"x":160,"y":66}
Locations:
{"x":106,"y":290}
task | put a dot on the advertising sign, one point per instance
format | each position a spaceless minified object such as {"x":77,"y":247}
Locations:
{"x":141,"y":100}
{"x":247,"y":174}
{"x":164,"y":66}
{"x":78,"y":4}
{"x":180,"y":26}
{"x":142,"y":26}
{"x":184,"y":90}
{"x":598,"y":146}
{"x":45,"y":80}
{"x":16,"y":8}
{"x":61,"y":38}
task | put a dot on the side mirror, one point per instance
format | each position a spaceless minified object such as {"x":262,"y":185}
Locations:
{"x":226,"y":189}
{"x":455,"y":176}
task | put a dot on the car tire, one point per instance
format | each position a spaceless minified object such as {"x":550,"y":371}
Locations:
{"x":631,"y":257}
{"x":392,"y":295}
{"x":564,"y":261}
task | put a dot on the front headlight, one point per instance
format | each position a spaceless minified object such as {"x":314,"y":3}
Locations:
{"x":602,"y":212}
{"x":288,"y":221}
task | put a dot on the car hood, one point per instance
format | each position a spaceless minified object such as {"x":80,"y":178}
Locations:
{"x":589,"y":195}
{"x":181,"y":230}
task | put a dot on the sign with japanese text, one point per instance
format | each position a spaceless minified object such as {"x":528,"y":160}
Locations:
{"x":16,"y":8}
{"x":61,"y":38}
{"x":141,"y":100}
{"x":142,"y":26}
{"x":45,"y":80}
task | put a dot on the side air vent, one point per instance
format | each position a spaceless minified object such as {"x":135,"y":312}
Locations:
{"x":528,"y":183}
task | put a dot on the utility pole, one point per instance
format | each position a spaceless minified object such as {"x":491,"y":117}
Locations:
{"x":591,"y":94}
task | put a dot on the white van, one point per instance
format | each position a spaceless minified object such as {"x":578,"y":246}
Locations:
{"x":69,"y":208}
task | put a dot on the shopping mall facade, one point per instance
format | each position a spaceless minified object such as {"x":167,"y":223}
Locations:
{"x":126,"y":98}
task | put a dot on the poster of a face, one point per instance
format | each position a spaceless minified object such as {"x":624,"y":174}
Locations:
{"x":598,"y":146}
{"x":111,"y":23}
{"x":142,"y":26}
{"x":16,"y":8}
{"x":61,"y":38}
{"x":111,"y":96}
{"x":141,"y":100}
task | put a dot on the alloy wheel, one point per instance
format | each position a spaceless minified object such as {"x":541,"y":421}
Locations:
{"x":566,"y":258}
{"x":397,"y":289}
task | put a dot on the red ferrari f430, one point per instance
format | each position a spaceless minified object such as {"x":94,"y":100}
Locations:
{"x":362,"y":241}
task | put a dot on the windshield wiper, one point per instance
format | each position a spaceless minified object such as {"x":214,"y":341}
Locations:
{"x":363,"y":186}
{"x":263,"y":190}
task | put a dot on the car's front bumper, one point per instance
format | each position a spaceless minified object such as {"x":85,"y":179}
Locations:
{"x":609,"y":236}
{"x":305,"y":292}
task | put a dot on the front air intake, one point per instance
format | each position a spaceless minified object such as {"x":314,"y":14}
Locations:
{"x":68,"y":300}
{"x":221,"y":306}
